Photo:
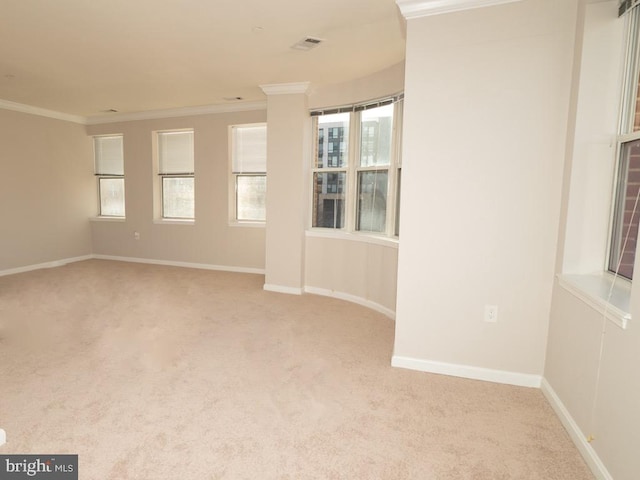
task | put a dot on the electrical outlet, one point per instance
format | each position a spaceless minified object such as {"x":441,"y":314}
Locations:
{"x":136,"y":235}
{"x":491,"y":313}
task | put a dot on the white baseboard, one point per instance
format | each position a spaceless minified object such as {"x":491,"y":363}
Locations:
{"x":169,"y":263}
{"x":353,"y":299}
{"x":38,"y":266}
{"x":586,"y":450}
{"x":269,"y":287}
{"x":202,"y":266}
{"x":466,"y":371}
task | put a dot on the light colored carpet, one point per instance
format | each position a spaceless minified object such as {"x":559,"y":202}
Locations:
{"x":151,"y":372}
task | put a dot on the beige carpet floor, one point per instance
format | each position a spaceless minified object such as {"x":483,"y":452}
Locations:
{"x":151,"y":372}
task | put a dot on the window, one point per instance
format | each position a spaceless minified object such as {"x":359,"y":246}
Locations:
{"x":398,"y":189}
{"x":626,"y":211}
{"x":330,"y":172}
{"x":176,"y":173}
{"x":109,"y":170}
{"x":373,"y":172}
{"x":625,"y":220}
{"x":363,"y":194}
{"x":248,"y":172}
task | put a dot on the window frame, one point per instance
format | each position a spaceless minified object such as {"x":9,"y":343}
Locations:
{"x":168,"y":176}
{"x":593,"y":159}
{"x":353,"y":168}
{"x":626,"y":135}
{"x":330,"y":169}
{"x":233,"y":178}
{"x":100,"y":176}
{"x":161,"y":176}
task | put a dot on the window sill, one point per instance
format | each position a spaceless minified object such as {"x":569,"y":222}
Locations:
{"x":391,"y":242}
{"x":100,"y":218}
{"x":248,"y":224}
{"x":174,"y":221}
{"x":608,"y":297}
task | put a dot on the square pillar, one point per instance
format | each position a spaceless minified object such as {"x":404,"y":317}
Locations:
{"x":288,"y":147}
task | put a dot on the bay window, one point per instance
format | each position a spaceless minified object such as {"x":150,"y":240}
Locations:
{"x":356,"y":170}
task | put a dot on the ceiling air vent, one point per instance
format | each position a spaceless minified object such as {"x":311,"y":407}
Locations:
{"x":307,"y":43}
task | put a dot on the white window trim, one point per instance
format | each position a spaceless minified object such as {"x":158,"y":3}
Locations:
{"x":101,"y":176}
{"x":247,"y":224}
{"x":608,"y":294}
{"x":107,"y":218}
{"x":232,"y":182}
{"x":174,"y":221}
{"x":158,"y":214}
{"x":339,"y":234}
{"x":353,"y":167}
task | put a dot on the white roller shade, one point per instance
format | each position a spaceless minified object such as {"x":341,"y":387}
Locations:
{"x":175,"y":151}
{"x":109,"y":158}
{"x":249,"y":149}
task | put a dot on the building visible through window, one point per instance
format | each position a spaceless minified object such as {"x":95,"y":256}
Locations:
{"x":330,"y":176}
{"x":356,"y":194}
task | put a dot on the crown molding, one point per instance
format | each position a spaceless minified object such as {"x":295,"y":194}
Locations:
{"x":126,"y":117}
{"x":175,"y":112}
{"x":425,"y":8}
{"x":41,"y":112}
{"x":285,"y":88}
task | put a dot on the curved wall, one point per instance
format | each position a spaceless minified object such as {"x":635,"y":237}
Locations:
{"x":354,"y":267}
{"x":377,"y":85}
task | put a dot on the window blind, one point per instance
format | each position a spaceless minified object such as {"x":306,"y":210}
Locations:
{"x":249,"y":154}
{"x":108,"y":155}
{"x":626,"y":6}
{"x":360,"y":106}
{"x":175,"y":152}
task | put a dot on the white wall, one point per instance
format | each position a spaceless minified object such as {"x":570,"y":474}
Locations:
{"x":46,"y":190}
{"x":600,"y":389}
{"x":211,"y":240}
{"x":486,"y":104}
{"x":353,"y":269}
{"x":377,"y":85}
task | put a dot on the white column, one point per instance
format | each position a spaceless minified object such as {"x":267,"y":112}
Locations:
{"x":288,"y":147}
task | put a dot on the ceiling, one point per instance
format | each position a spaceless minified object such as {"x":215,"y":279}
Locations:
{"x":84,"y":57}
